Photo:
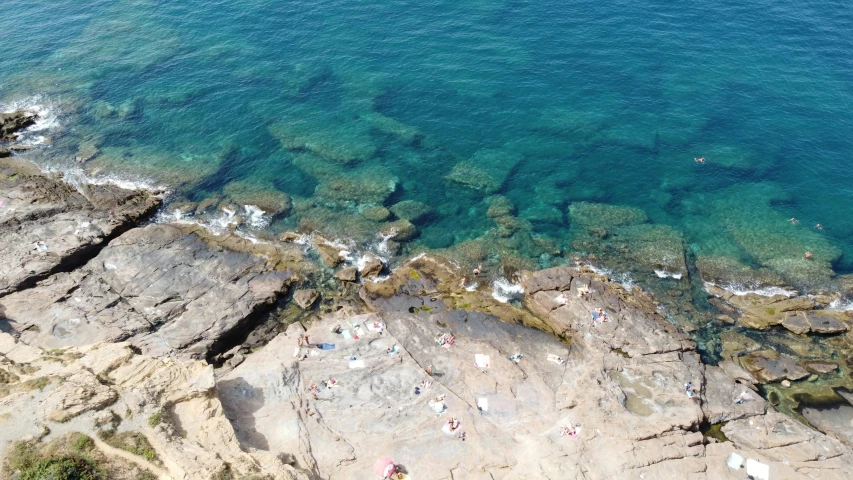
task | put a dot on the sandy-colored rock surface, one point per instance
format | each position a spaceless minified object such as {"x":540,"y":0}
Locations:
{"x":622,"y":380}
{"x":79,"y":385}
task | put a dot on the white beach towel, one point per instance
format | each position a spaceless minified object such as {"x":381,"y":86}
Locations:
{"x":483,"y":404}
{"x":555,"y":359}
{"x":757,"y":470}
{"x":735,"y":461}
{"x":370,"y":326}
{"x":346,"y":334}
{"x":481,"y":361}
{"x":356,"y":364}
{"x":295,"y":352}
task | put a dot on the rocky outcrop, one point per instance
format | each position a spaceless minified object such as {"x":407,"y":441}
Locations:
{"x":165,"y":288}
{"x":338,"y":410}
{"x":171,"y":404}
{"x":11,"y":123}
{"x":48,"y":226}
{"x":306,"y":298}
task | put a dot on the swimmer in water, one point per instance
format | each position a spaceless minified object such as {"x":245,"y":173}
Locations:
{"x":478,"y":269}
{"x":808,"y":254}
{"x":819,"y":226}
{"x":793,"y":220}
{"x":700,"y":159}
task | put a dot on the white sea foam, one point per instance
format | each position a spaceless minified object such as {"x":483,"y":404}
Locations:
{"x":842,"y":304}
{"x":667,"y":274}
{"x":741,"y":290}
{"x":503,"y":290}
{"x":47,"y":117}
{"x":77,"y":177}
{"x":255,"y":217}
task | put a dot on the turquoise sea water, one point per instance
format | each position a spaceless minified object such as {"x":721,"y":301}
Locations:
{"x":344,"y":105}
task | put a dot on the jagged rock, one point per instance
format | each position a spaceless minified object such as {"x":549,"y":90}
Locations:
{"x":12,"y":122}
{"x":4,"y":152}
{"x":306,"y":298}
{"x":413,"y":211}
{"x":769,"y":366}
{"x":331,"y":255}
{"x":348,"y":274}
{"x":168,"y":288}
{"x":372,"y":268}
{"x":48,"y":225}
{"x":83,"y":389}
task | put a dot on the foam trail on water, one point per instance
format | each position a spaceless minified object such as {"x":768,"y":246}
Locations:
{"x":503,"y":290}
{"x":741,"y":290}
{"x":47,"y":117}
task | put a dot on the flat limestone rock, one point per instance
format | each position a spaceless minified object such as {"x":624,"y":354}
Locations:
{"x":769,"y":366}
{"x":821,"y":367}
{"x":163,"y":287}
{"x":821,"y":323}
{"x":796,"y":322}
{"x":47,"y":225}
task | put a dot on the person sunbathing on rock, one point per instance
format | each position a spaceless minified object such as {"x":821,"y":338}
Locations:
{"x":453,"y":423}
{"x":583,"y":290}
{"x":563,"y":298}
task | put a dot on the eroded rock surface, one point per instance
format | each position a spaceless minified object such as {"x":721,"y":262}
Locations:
{"x":47,"y":225}
{"x":622,"y":380}
{"x":165,"y":288}
{"x":172,"y":403}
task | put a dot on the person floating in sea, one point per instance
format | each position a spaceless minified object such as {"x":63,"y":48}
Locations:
{"x":699,"y":159}
{"x":478,"y":270}
{"x":808,"y":255}
{"x":793,"y":220}
{"x":819,"y":226}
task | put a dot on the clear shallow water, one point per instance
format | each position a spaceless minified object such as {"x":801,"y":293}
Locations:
{"x":348,"y":104}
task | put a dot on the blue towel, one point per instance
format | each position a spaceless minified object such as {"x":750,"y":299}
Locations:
{"x":325,"y":346}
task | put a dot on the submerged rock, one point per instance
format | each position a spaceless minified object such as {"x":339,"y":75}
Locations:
{"x":586,"y":214}
{"x":306,"y":298}
{"x":413,"y":211}
{"x":348,"y":274}
{"x":487,"y":170}
{"x":399,"y":231}
{"x":769,"y":366}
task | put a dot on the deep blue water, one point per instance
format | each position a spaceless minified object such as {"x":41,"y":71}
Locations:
{"x":592,"y":101}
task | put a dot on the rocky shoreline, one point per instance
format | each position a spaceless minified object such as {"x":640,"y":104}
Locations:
{"x":104,"y":315}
